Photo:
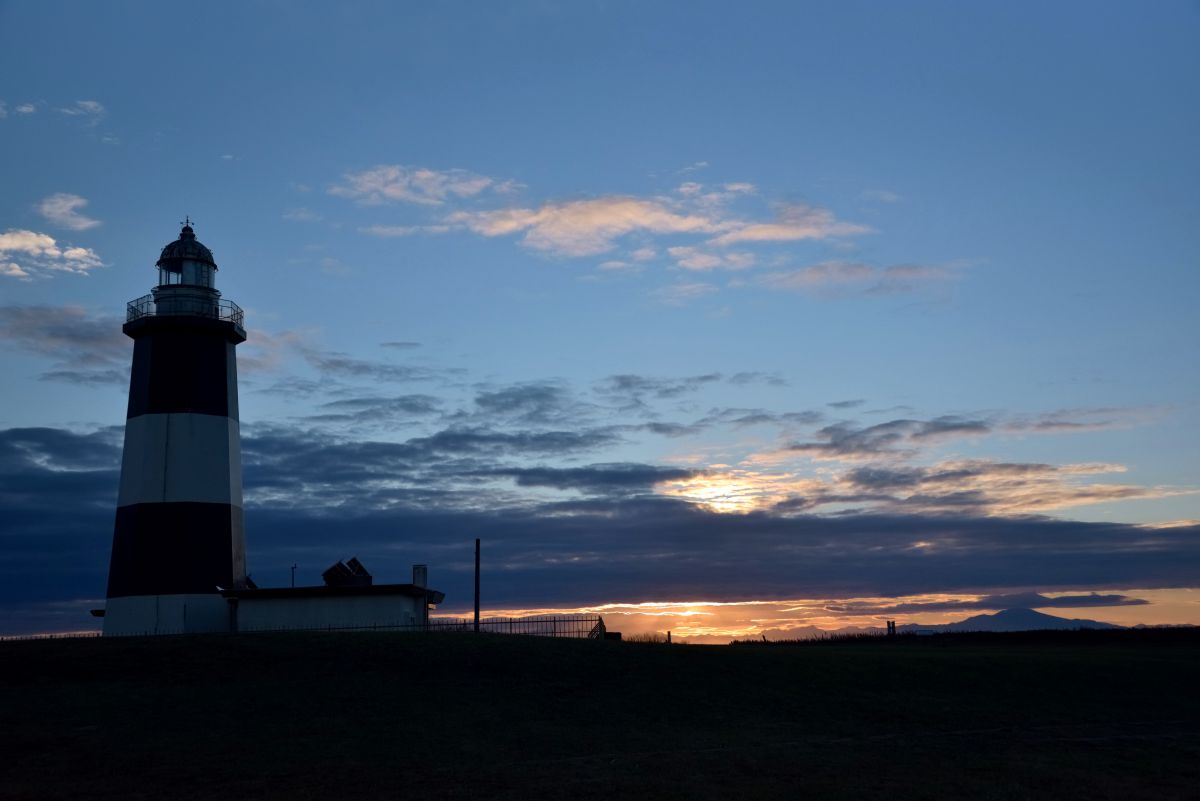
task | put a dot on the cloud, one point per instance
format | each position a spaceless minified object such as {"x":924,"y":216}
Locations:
{"x":400,"y":345}
{"x":403,"y":230}
{"x":390,"y":410}
{"x":758,"y":377}
{"x":683,"y":293}
{"x":846,"y":404}
{"x":738,"y":416}
{"x":845,"y":440}
{"x":86,"y":348}
{"x":856,"y":277}
{"x":634,"y":389}
{"x":1072,"y":421}
{"x":25,"y":108}
{"x":541,"y":402}
{"x":90,"y":110}
{"x":301,"y":215}
{"x":1017,"y":600}
{"x":61,"y":210}
{"x":343,"y":364}
{"x":795,"y":222}
{"x":316,"y":497}
{"x":881,"y":196}
{"x":598,"y":479}
{"x":694,"y":258}
{"x":583,"y":227}
{"x":985,"y":487}
{"x":28,"y":253}
{"x":388,"y":183}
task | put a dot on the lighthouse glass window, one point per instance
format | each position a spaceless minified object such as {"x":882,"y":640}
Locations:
{"x":197,"y":274}
{"x":193,"y":273}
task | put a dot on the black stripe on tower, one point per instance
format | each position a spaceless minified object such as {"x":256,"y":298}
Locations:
{"x":183,"y":364}
{"x":175,"y":548}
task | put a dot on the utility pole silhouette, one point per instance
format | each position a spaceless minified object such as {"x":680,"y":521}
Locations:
{"x":476,"y":585}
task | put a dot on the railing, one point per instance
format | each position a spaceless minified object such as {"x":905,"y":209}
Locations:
{"x":62,"y":635}
{"x":589,"y":627}
{"x":190,"y":306}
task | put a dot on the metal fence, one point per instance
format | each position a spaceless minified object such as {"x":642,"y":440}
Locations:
{"x":66,"y":635}
{"x":589,"y":627}
{"x":194,"y":307}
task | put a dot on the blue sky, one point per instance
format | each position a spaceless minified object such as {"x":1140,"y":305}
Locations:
{"x":792,"y":264}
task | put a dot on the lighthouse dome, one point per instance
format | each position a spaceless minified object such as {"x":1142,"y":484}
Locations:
{"x":185,"y":248}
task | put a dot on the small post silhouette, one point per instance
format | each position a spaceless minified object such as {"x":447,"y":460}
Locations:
{"x":477,"y":585}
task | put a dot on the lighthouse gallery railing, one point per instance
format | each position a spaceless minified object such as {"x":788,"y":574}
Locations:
{"x":197,"y":307}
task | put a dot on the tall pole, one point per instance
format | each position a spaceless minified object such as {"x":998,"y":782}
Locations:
{"x":476,"y":585}
{"x":293,"y":574}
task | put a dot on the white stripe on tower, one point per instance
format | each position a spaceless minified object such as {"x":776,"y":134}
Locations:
{"x":180,"y":458}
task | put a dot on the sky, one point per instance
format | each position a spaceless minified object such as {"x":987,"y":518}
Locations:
{"x":728,"y":319}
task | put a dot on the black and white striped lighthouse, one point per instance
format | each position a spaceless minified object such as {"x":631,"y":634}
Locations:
{"x":179,"y":534}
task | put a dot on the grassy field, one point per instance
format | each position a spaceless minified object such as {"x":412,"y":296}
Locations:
{"x":308,"y":716}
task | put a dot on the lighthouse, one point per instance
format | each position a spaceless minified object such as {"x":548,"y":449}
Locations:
{"x":178,"y":539}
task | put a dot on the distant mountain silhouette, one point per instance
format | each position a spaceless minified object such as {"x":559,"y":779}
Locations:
{"x":1013,"y":620}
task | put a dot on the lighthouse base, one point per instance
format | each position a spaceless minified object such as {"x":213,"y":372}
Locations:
{"x":136,"y":615}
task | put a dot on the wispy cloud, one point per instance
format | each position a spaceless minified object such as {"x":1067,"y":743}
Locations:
{"x":85,"y":348}
{"x":881,"y":196}
{"x":701,"y":259}
{"x":26,"y":254}
{"x":795,"y":222}
{"x":855,"y":277}
{"x":682,"y":294}
{"x":592,"y":226}
{"x":90,"y":110}
{"x":633,"y":389}
{"x":62,"y":209}
{"x":301,"y":215}
{"x":397,"y":183}
{"x":388,"y":231}
{"x":963,"y":486}
{"x":1016,"y":600}
{"x":584,"y":227}
{"x":895,"y":437}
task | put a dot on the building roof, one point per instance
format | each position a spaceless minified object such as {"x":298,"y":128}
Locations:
{"x":411,"y":590}
{"x":185,"y":247}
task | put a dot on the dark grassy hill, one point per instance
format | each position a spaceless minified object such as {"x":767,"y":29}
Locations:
{"x":302,"y":716}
